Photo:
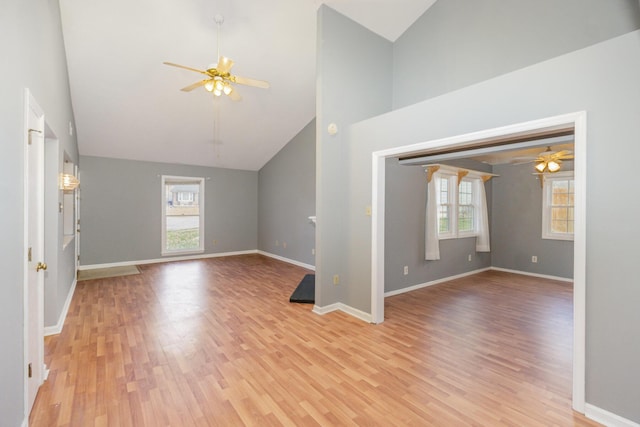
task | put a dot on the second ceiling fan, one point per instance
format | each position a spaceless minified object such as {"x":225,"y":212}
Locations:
{"x":219,"y":79}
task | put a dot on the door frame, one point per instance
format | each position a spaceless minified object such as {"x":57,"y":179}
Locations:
{"x":30,"y":104}
{"x":578,"y":122}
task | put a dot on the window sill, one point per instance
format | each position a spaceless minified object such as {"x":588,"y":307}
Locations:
{"x":174,"y":253}
{"x":557,"y":237}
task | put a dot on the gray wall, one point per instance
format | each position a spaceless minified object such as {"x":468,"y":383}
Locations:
{"x":602,"y":80}
{"x":516,"y":226}
{"x":457,"y":43}
{"x":287,"y":198}
{"x":121,"y":209}
{"x":353,"y":66}
{"x":405,"y":209}
{"x":30,"y":41}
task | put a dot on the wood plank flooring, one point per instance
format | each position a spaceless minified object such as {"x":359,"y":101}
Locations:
{"x":216,"y":343}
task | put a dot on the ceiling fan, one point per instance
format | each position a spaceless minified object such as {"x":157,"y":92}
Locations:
{"x":548,"y":160}
{"x":219,"y":79}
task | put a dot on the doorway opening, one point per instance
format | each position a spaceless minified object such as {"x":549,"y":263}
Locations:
{"x":573,"y":122}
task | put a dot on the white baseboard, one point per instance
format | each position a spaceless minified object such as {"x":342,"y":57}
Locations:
{"x":345,"y":308}
{"x":57,"y":328}
{"x":607,"y":418}
{"x":526,"y":273}
{"x":433,"y":282}
{"x":167,"y":259}
{"x":290,"y":261}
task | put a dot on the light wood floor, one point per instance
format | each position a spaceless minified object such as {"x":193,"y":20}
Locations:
{"x":216,"y":342}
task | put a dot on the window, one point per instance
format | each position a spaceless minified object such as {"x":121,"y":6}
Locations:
{"x":444,"y":206}
{"x":182,"y":215}
{"x":185,"y":198}
{"x":466,"y":208}
{"x":457,"y":206}
{"x":558,"y":206}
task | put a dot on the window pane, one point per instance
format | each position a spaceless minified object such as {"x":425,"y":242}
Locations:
{"x":443,"y":219}
{"x":465,"y":218}
{"x":182,"y":213}
{"x":444,"y":190}
{"x":559,"y":214}
{"x":465,"y":195}
{"x":559,"y":226}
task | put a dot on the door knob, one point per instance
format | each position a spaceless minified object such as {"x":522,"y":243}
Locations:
{"x":41,"y":266}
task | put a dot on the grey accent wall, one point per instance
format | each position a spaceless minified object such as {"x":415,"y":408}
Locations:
{"x":121,"y":209}
{"x":353,"y":69}
{"x":601,"y":80}
{"x":30,"y":41}
{"x":456,"y":43}
{"x":405,"y":210}
{"x":516,"y":226}
{"x":287,"y":198}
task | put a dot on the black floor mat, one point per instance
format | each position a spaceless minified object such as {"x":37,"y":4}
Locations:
{"x":306,"y":291}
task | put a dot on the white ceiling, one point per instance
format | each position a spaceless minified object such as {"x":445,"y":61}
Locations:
{"x":128,"y":104}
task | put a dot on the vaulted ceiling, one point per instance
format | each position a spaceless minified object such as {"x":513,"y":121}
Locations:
{"x":128,"y":105}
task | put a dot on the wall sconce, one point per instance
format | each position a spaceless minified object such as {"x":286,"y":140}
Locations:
{"x":68,"y":182}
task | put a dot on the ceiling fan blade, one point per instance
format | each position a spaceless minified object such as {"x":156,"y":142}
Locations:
{"x":234,"y":95}
{"x":194,"y":86}
{"x":185,"y":67}
{"x":250,"y":82}
{"x":520,"y":160}
{"x":224,"y":65}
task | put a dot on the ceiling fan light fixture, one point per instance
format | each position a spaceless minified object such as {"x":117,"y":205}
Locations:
{"x":209,"y":85}
{"x":553,"y":166}
{"x":227,"y":89}
{"x":540,"y":167}
{"x":217,"y":92}
{"x":219,"y":85}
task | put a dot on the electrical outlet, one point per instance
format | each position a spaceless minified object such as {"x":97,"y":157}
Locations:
{"x":336,"y":279}
{"x":215,"y":241}
{"x":367,"y":211}
{"x":469,"y":258}
{"x":313,"y":251}
{"x":534,"y":259}
{"x":406,"y":270}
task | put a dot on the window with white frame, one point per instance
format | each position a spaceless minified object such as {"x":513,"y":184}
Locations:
{"x":182,"y":215}
{"x":457,"y":206}
{"x":558,"y":206}
{"x":185,"y":197}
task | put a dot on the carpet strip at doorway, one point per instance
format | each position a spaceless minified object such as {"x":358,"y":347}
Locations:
{"x":305,"y":293}
{"x":101,"y":273}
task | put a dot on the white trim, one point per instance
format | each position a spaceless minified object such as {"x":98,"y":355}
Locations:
{"x":434,"y":282}
{"x":168,"y":259}
{"x":526,"y":273}
{"x":289,"y":260}
{"x":57,"y":328}
{"x":577,"y":121}
{"x":607,"y":418}
{"x":25,"y":422}
{"x":338,"y":306}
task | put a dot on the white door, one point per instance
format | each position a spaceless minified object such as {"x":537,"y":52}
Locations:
{"x":34,"y":237}
{"x":77,"y":210}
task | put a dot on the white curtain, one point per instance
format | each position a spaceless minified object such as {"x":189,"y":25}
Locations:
{"x":482,"y":241}
{"x":432,"y":244}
